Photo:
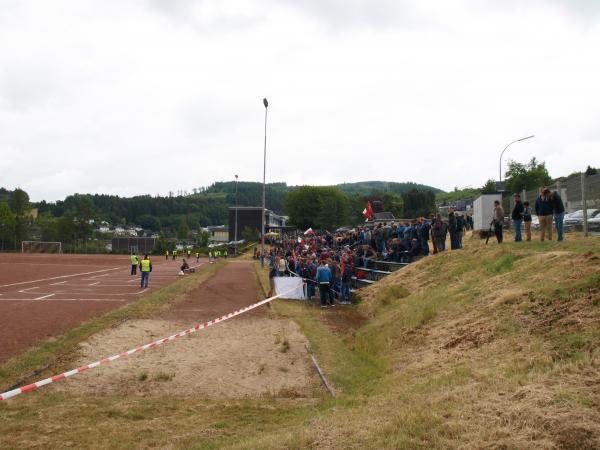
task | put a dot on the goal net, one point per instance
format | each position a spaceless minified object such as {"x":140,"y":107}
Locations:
{"x":41,"y":247}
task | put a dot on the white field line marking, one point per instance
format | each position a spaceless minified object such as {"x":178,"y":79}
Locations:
{"x":56,"y":284}
{"x":25,"y":291}
{"x":44,"y":296}
{"x":200,"y":326}
{"x":120,"y":300}
{"x":98,"y":276}
{"x":57,"y":278}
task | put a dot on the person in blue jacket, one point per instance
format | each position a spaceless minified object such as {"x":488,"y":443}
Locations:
{"x":324,"y":281}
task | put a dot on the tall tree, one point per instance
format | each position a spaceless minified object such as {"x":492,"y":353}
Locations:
{"x":526,"y":176}
{"x":7,"y":224}
{"x":19,"y":203}
{"x":317,"y":207}
{"x":183,"y":230}
{"x":489,"y":187}
{"x":418,"y":202}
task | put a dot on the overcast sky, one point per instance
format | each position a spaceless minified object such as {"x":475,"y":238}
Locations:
{"x":147,"y":96}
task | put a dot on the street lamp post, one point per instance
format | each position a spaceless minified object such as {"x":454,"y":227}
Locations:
{"x":262,"y":231}
{"x":235,"y":235}
{"x":518,"y":140}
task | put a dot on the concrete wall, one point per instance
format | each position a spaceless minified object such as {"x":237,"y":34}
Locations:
{"x":483,"y":210}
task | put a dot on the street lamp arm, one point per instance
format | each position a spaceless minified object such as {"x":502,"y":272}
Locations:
{"x":501,"y":154}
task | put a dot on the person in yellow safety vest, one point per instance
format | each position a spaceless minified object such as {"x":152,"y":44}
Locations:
{"x":134,"y":263}
{"x":189,"y":253}
{"x":174,"y":254}
{"x":210,"y":257}
{"x":167,"y":254}
{"x":146,"y":268}
{"x":197,"y":256}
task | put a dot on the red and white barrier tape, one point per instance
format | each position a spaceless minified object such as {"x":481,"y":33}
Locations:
{"x":201,"y":326}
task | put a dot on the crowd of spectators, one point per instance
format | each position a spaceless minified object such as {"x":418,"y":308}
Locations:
{"x":330,"y":260}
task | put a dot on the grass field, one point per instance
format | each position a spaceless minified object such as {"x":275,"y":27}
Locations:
{"x":487,"y":347}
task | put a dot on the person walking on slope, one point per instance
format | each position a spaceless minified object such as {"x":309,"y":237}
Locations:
{"x":134,"y":263}
{"x":517,"y":217}
{"x":146,"y":268}
{"x":167,"y":255}
{"x":498,"y":221}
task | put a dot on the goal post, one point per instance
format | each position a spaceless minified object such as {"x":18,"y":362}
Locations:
{"x":41,"y":247}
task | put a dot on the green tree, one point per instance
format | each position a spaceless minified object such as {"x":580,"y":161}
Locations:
{"x":7,"y":224}
{"x":149,"y":222}
{"x":418,"y":202}
{"x":249,"y":235}
{"x":318,"y":207}
{"x":393,"y":203}
{"x":526,"y":176}
{"x":19,"y":204}
{"x":83,"y":213}
{"x":202,"y":238}
{"x":183,"y":230}
{"x":489,"y":187}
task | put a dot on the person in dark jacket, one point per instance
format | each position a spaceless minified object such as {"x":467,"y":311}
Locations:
{"x":527,"y":220}
{"x":425,"y":229}
{"x":558,"y":208}
{"x":544,"y":210}
{"x":517,"y":217}
{"x":438,"y":232}
{"x":461,"y":225}
{"x":452,"y":229}
{"x":498,"y":221}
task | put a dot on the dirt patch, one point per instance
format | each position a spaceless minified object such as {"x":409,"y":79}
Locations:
{"x":249,"y":355}
{"x":257,"y":356}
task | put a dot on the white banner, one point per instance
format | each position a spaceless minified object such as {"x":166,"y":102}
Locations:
{"x":291,"y":286}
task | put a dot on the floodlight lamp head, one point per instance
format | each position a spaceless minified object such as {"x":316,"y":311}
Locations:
{"x":265,"y":102}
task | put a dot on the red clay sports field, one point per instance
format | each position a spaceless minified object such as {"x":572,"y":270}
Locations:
{"x":44,"y":295}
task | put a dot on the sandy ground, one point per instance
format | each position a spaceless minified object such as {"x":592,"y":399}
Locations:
{"x":250,"y":355}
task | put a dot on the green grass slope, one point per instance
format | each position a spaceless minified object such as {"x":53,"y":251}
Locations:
{"x":487,"y":347}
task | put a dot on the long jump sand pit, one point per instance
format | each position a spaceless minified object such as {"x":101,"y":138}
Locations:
{"x":256,"y":356}
{"x":249,"y":355}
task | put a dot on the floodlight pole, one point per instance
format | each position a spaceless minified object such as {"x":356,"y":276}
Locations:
{"x":518,"y":140}
{"x":262,"y":222}
{"x":236,"y":210}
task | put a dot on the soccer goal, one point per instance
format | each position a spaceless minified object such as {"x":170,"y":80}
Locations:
{"x":41,"y":247}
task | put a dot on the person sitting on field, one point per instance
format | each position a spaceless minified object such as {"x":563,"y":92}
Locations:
{"x":185,"y":267}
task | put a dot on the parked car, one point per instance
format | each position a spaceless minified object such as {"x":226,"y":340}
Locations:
{"x":594,"y":223}
{"x":577,"y":217}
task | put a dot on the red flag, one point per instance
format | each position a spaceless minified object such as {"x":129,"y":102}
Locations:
{"x":368,"y":211}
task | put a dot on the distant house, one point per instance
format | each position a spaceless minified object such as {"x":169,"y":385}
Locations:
{"x":251,"y":217}
{"x":218,"y":234}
